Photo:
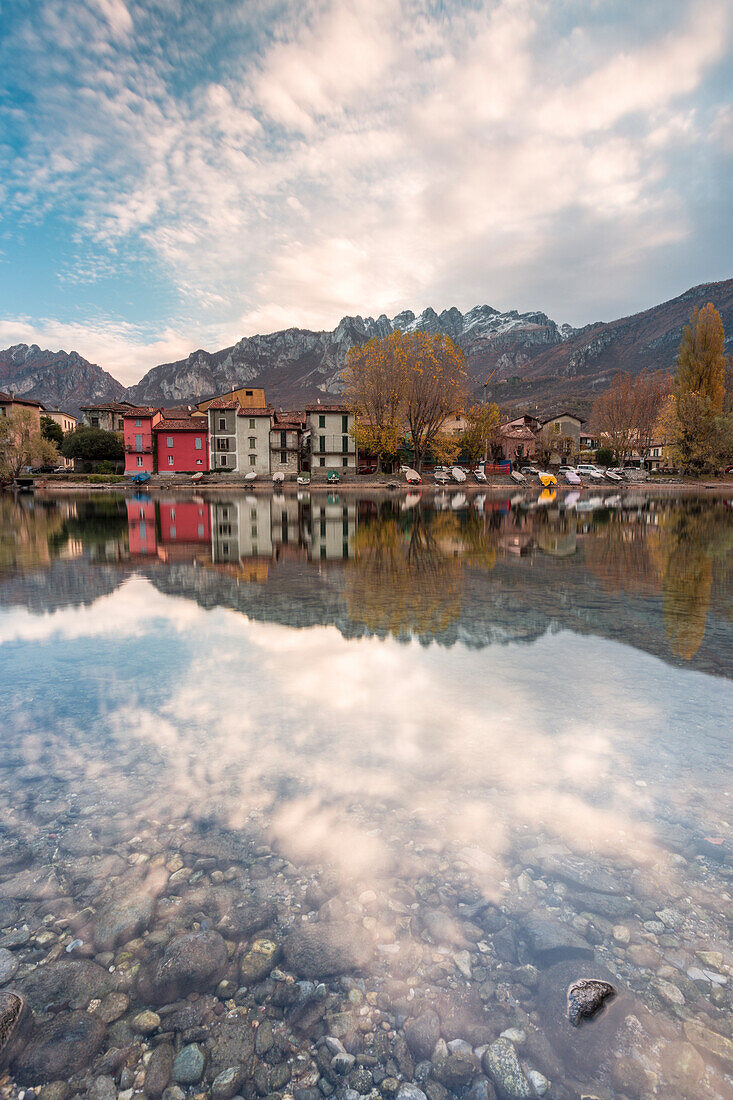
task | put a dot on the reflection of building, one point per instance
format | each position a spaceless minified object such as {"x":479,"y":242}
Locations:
{"x":241,"y":529}
{"x":333,"y":526}
{"x":141,"y":530}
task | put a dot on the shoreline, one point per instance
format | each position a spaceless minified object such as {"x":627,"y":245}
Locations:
{"x":495,"y":486}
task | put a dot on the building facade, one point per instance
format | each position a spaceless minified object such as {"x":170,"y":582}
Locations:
{"x":9,"y":401}
{"x":239,"y":437}
{"x":332,"y":444}
{"x":182,"y":445}
{"x":139,"y":440}
{"x":109,"y":416}
{"x":67,"y":423}
{"x":286,"y":443}
{"x":251,"y":398}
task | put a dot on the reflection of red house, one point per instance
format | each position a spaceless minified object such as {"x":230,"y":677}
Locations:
{"x":182,"y":445}
{"x":185,"y":521}
{"x":138,"y":439}
{"x":141,"y":533}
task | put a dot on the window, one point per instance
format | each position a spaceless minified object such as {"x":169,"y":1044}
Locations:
{"x":248,"y":393}
{"x":201,"y":529}
{"x":170,"y":460}
{"x":321,"y":462}
{"x":173,"y":515}
{"x":283,"y":458}
{"x":199,"y":461}
{"x":344,"y":443}
{"x":222,"y":423}
{"x":283,"y":439}
{"x":222,"y":445}
{"x":197,"y":443}
{"x":251,"y":422}
{"x":323,"y":528}
{"x":138,"y":422}
{"x":143,"y":531}
{"x":252,"y":442}
{"x":138,"y":442}
{"x":344,"y":424}
{"x":225,"y":528}
{"x":321,"y":421}
{"x":222,"y":460}
{"x":139,"y":460}
{"x":322,"y":443}
{"x":169,"y":441}
{"x":173,"y":532}
{"x":253,"y":460}
{"x":254,"y":530}
{"x":141,"y":513}
{"x":95,"y":421}
{"x":345,"y":461}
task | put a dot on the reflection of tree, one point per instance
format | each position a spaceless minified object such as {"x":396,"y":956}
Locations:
{"x":624,"y":555}
{"x":693,"y":540}
{"x":406,"y":575}
{"x":27,"y":532}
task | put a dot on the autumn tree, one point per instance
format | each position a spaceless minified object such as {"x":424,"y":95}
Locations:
{"x":21,"y":444}
{"x":701,"y":361}
{"x":435,"y":386}
{"x":480,"y":431}
{"x":374,"y":392}
{"x":625,"y":415}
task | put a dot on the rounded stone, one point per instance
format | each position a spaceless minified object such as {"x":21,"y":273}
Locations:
{"x":60,"y":1047}
{"x":188,"y":1066}
{"x":225,"y":1084}
{"x":327,"y":947}
{"x":158,"y":1070}
{"x":145,"y":1023}
{"x":8,"y":965}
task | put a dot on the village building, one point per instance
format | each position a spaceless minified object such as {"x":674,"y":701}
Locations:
{"x":182,"y":445}
{"x":518,"y":438}
{"x":138,"y":439}
{"x":109,"y":415}
{"x":67,"y":423}
{"x":243,"y":396}
{"x":287,"y":437}
{"x":332,"y":443}
{"x":9,"y":401}
{"x":239,"y":437}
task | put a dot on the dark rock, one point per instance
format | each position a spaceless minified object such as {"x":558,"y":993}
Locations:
{"x":279,"y":1076}
{"x":582,"y":1049}
{"x":611,"y":906}
{"x":361,"y":1080}
{"x":422,"y":1033}
{"x":197,"y":1014}
{"x":122,"y":918}
{"x":56,"y":1090}
{"x":8,"y":913}
{"x":581,"y":872}
{"x":456,"y":1070}
{"x":188,"y":1065}
{"x":505,"y":945}
{"x":35,"y":884}
{"x":74,"y":982}
{"x":60,"y":1047}
{"x":159,"y":1070}
{"x":586,"y":998}
{"x":16,"y":1026}
{"x":481,"y":1089}
{"x":325,"y":948}
{"x":550,"y":941}
{"x":225,"y":1084}
{"x":8,"y":966}
{"x":257,"y":962}
{"x":194,"y":962}
{"x":248,"y":914}
{"x":232,"y":1044}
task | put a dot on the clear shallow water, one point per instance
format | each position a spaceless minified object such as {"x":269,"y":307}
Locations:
{"x":492,"y":743}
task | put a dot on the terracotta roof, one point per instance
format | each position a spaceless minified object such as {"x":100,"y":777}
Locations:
{"x":288,"y":420}
{"x":9,"y":398}
{"x":254,"y":410}
{"x":134,"y":410}
{"x":187,"y":424}
{"x":327,"y":408}
{"x":109,"y":406}
{"x":516,"y":432}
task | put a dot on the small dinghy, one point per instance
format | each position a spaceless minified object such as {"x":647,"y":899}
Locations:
{"x":278,"y":478}
{"x":480,"y":476}
{"x":458,"y":474}
{"x":516,"y":476}
{"x":441,"y":478}
{"x":613,"y":477}
{"x":304,"y":479}
{"x":197,"y":477}
{"x":250,"y":476}
{"x":412,"y":477}
{"x":547,"y":479}
{"x":572,"y":478}
{"x":140,"y":479}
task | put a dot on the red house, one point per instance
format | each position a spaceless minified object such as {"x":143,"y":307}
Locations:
{"x":138,"y":427}
{"x":141,"y":528}
{"x":185,"y":521}
{"x":182,"y":445}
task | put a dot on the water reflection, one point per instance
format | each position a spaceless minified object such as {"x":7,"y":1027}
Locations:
{"x":171,"y":729}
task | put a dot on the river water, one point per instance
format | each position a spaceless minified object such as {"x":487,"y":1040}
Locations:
{"x":335,"y":796}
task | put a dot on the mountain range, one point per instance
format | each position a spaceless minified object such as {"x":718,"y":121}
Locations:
{"x":531,"y":359}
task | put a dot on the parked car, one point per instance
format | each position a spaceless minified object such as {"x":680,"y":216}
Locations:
{"x":567,"y":470}
{"x":530,"y":471}
{"x":587,"y":469}
{"x":60,"y":469}
{"x":43,"y":470}
{"x":367,"y":468}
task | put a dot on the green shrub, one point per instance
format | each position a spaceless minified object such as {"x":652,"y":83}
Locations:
{"x":604,"y":456}
{"x":105,"y":479}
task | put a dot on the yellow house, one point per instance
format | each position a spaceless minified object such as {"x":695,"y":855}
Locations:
{"x":247,"y":398}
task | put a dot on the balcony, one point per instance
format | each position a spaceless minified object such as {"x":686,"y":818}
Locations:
{"x":333,"y":444}
{"x":146,"y":449}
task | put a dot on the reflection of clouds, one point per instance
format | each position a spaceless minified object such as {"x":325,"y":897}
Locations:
{"x":359,"y":752}
{"x":131,"y":610}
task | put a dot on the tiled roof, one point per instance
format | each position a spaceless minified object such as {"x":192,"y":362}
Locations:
{"x":327,"y":408}
{"x":135,"y":410}
{"x":109,"y":406}
{"x":8,"y":398}
{"x":187,"y":424}
{"x":557,"y":416}
{"x":254,"y":410}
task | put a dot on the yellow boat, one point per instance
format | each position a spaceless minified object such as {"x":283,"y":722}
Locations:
{"x":548,"y":480}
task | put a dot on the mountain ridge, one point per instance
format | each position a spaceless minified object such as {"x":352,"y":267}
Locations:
{"x":532,"y":359}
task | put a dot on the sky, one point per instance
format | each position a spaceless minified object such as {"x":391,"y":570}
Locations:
{"x":177,"y":174}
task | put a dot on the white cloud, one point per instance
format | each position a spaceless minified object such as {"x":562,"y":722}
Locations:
{"x":364,"y":157}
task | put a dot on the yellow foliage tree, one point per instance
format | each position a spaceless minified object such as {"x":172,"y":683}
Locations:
{"x":701,"y":363}
{"x":480,"y":431}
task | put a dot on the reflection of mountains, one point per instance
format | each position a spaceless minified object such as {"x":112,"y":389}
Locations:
{"x":421,"y":579}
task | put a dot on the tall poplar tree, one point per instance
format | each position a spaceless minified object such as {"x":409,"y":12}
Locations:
{"x":701,"y":362}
